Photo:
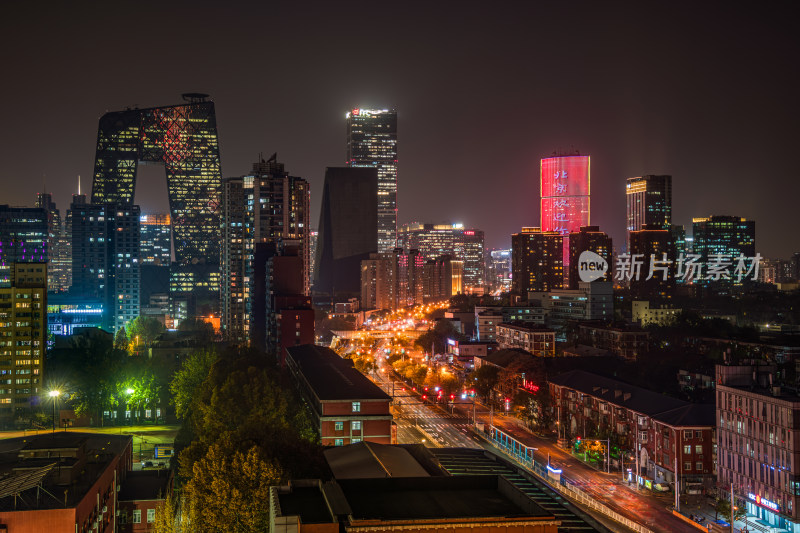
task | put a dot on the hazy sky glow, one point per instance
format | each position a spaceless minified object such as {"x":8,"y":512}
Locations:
{"x":704,"y":92}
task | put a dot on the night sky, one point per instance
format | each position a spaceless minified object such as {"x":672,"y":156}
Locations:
{"x":704,"y":91}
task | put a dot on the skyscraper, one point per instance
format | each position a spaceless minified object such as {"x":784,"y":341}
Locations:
{"x":536,"y":261}
{"x":651,"y":248}
{"x":564,"y":188}
{"x":348,"y":229}
{"x":722,"y":239}
{"x":23,"y":235}
{"x":462,"y":244}
{"x":183,"y":138}
{"x":649,"y":201}
{"x":59,"y":263}
{"x":592,"y":239}
{"x":105,"y":259}
{"x":372,"y":143}
{"x":268,"y":206}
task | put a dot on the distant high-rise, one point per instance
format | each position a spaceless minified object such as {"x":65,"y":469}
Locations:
{"x":348,"y":229}
{"x":183,"y":138}
{"x":498,"y":270}
{"x":564,"y":188}
{"x":724,"y":238}
{"x":23,"y":235}
{"x":462,"y":244}
{"x":268,"y":206}
{"x":649,"y":201}
{"x":59,"y":262}
{"x":156,"y":237}
{"x":105,"y":259}
{"x":592,"y":239}
{"x":536,"y":261}
{"x":393,"y":281}
{"x":372,"y":143}
{"x":651,"y":248}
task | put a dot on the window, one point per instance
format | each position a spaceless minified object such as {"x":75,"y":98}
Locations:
{"x":356,"y":407}
{"x":356,"y":425}
{"x":355,"y":440}
{"x":338,"y":442}
{"x":687,"y":449}
{"x":699,"y":466}
{"x":687,"y":434}
{"x":698,"y":448}
{"x":338,"y":426}
{"x":687,"y":466}
{"x":151,"y":516}
{"x":137,"y":516}
{"x":698,"y":434}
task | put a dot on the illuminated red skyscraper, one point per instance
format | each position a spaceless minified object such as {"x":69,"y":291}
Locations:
{"x":565,"y":193}
{"x":564,"y":189}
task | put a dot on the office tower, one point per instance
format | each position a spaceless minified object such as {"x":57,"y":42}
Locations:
{"x":184,"y":138}
{"x":564,"y":188}
{"x":348,"y":229}
{"x":536,"y":261}
{"x":268,"y":206}
{"x":724,"y":235}
{"x":155,"y":244}
{"x":436,"y":240}
{"x":651,"y":248}
{"x":59,"y":260}
{"x":105,"y":259}
{"x":592,"y":239}
{"x":372,"y":143}
{"x":441,"y":279}
{"x":649,"y":201}
{"x":23,"y":235}
{"x":23,"y":330}
{"x":498,"y":270}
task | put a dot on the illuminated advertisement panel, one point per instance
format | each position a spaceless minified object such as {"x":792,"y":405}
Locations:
{"x":565,"y":193}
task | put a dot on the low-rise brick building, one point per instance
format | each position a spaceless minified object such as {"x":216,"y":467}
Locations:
{"x":661,"y":431}
{"x":347,"y":407}
{"x":537,"y":340}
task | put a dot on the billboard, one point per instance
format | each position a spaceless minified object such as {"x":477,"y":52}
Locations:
{"x":564,"y":189}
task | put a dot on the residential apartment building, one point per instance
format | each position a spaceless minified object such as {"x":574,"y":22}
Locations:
{"x":644,"y":313}
{"x":346,"y":406}
{"x":23,"y":336}
{"x":537,"y":340}
{"x":758,"y":438}
{"x":627,"y":343}
{"x":667,"y":435}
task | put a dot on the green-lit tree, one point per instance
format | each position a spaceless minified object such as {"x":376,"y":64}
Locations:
{"x":143,"y":331}
{"x":484,"y":380}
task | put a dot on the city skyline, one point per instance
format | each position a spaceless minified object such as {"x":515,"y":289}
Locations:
{"x":471,"y":144}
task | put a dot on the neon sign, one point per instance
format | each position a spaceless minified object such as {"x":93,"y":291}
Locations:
{"x":764,"y":502}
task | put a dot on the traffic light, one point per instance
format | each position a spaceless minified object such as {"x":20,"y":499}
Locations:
{"x":452,"y":396}
{"x":424,"y":396}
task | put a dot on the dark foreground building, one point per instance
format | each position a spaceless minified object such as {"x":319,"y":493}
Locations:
{"x":348,"y":229}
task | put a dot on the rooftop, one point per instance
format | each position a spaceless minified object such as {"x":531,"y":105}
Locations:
{"x":145,"y":485}
{"x":372,"y":460}
{"x":666,"y":409}
{"x":331,"y":377}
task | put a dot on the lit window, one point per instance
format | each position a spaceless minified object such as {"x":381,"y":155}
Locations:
{"x":151,"y":516}
{"x":356,"y":425}
{"x":356,"y":407}
{"x":137,"y":516}
{"x":338,"y":426}
{"x":338,"y":442}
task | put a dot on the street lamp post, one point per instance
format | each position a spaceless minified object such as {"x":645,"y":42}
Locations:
{"x":54,"y":394}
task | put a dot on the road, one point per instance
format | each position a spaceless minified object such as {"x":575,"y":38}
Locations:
{"x":419,"y":421}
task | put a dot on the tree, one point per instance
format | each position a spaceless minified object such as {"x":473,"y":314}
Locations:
{"x":484,"y":380}
{"x":166,"y":515}
{"x":438,"y":335}
{"x":229,"y":489}
{"x":187,"y":381}
{"x":121,"y":340}
{"x":143,"y":331}
{"x":203,"y":331}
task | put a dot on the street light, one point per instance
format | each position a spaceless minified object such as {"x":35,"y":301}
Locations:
{"x":54,"y":394}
